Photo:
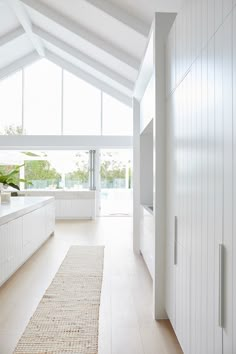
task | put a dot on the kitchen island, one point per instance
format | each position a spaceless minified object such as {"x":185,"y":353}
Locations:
{"x":25,"y":224}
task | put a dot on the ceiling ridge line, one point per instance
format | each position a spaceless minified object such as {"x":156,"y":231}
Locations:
{"x":11,"y":36}
{"x":25,"y":21}
{"x":19,"y":64}
{"x":120,"y":15}
{"x":92,"y":80}
{"x":82,"y":32}
{"x":76,"y":53}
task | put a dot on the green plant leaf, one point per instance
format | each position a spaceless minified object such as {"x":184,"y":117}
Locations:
{"x":25,"y":181}
{"x":14,"y":186}
{"x":31,"y":154}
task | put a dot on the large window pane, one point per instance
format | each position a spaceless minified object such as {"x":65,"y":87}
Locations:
{"x":57,"y":170}
{"x":42,"y":99}
{"x":82,"y":107}
{"x":117,"y":117}
{"x":116,"y":182}
{"x":42,"y":175}
{"x":11,"y":104}
{"x":77,"y":176}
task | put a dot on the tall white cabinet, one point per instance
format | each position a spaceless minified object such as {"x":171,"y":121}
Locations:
{"x":189,"y":94}
{"x":200,"y":296}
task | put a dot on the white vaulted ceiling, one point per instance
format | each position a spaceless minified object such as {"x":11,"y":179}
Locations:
{"x":102,"y":41}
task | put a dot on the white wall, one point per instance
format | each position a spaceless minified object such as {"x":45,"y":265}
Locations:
{"x":201,"y":174}
{"x":146,"y":167}
{"x":136,"y":176}
{"x":150,"y":98}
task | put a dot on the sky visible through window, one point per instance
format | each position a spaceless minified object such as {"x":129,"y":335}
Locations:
{"x":82,"y":107}
{"x":11,"y":102}
{"x":43,"y":99}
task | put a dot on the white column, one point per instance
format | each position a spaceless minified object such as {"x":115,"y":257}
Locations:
{"x":136,"y":176}
{"x":97,"y":181}
{"x":162,"y":25}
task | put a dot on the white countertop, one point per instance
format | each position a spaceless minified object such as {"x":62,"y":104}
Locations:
{"x":20,"y":206}
{"x":60,"y":193}
{"x":58,"y":190}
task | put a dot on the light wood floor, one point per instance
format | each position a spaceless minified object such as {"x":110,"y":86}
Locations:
{"x":126,"y":323}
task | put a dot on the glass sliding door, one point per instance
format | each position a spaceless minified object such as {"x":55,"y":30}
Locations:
{"x":116,"y":190}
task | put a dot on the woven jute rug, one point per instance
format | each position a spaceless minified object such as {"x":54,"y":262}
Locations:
{"x":66,"y":320}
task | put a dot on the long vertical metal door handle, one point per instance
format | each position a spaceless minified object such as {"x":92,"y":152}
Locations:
{"x":175,"y":240}
{"x":221,"y":284}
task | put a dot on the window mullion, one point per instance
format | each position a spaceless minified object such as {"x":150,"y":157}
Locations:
{"x":62,"y":102}
{"x":23,"y":100}
{"x":92,"y":184}
{"x":101,"y":113}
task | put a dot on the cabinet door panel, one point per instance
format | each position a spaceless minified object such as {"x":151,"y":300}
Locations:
{"x":234,"y":180}
{"x":49,"y":219}
{"x":34,"y":230}
{"x":211,"y":316}
{"x":218,"y":13}
{"x":182,"y":319}
{"x":219,"y":178}
{"x":27,"y":229}
{"x":228,"y":186}
{"x":211,"y":18}
{"x":197,"y":237}
{"x":227,"y":7}
{"x":179,"y":296}
{"x":204,"y":202}
{"x":3,"y":243}
{"x":4,"y":252}
{"x":170,"y":283}
{"x":11,"y":248}
{"x":194,"y":180}
{"x":15,"y":244}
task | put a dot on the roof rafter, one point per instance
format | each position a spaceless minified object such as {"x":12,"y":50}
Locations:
{"x":121,"y":16}
{"x":25,"y":21}
{"x":83,"y":33}
{"x":89,"y":78}
{"x":84,"y":58}
{"x":11,"y":36}
{"x":18,"y":64}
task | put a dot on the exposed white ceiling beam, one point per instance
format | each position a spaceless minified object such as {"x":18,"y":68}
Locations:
{"x":23,"y":17}
{"x":64,"y":142}
{"x":18,"y":64}
{"x":11,"y":36}
{"x":84,"y":58}
{"x":83,"y":33}
{"x":121,"y":16}
{"x":88,"y":78}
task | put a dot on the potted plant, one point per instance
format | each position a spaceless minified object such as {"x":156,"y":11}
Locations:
{"x":9,"y":179}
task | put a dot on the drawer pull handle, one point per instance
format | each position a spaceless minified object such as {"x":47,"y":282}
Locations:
{"x":175,"y":240}
{"x":221,"y":285}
